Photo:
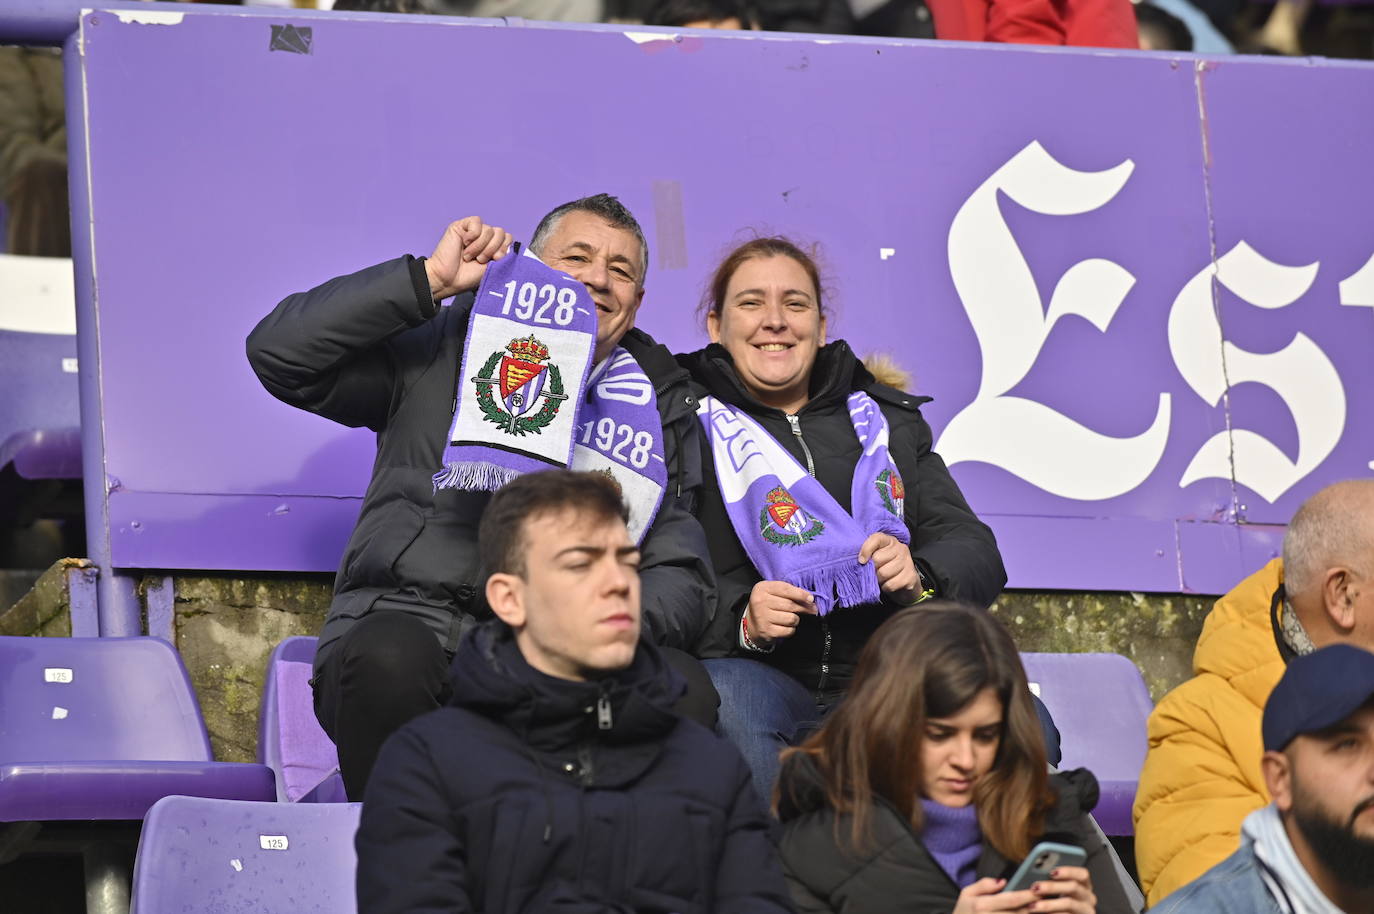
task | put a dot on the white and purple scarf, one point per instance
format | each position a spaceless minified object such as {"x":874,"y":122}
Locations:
{"x":792,"y":528}
{"x":529,"y":399}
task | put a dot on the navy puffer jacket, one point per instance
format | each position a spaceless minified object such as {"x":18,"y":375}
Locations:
{"x":533,"y":794}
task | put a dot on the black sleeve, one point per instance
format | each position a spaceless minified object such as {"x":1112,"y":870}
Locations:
{"x":948,"y":541}
{"x":410,"y":859}
{"x":885,"y":877}
{"x":750,"y":876}
{"x":677,"y":586}
{"x":327,"y":351}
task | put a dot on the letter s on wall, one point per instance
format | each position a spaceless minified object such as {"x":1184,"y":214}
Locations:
{"x":1300,"y":373}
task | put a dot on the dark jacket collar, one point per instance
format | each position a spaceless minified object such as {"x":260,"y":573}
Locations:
{"x":837,"y":374}
{"x":491,"y":678}
{"x":658,"y":363}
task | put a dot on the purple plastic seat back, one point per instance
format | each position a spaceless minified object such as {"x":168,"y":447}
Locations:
{"x":1100,"y":705}
{"x":290,"y":740}
{"x":102,"y":728}
{"x":97,"y":699}
{"x":230,"y":856}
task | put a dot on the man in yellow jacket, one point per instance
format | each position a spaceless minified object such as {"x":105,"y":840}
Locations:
{"x":1202,"y":774}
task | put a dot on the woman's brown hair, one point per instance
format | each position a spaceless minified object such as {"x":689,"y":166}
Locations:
{"x":770,"y":246}
{"x":930,"y":662}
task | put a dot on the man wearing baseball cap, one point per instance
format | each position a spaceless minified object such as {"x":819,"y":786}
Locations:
{"x":1311,"y":851}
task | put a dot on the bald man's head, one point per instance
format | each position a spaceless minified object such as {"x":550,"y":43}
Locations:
{"x":1328,"y":562}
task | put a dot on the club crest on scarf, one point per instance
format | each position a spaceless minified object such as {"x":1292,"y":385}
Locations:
{"x":521,"y":379}
{"x":891,"y":491}
{"x":783,"y":523}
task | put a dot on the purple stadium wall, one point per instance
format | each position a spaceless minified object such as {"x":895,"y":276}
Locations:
{"x":1139,"y":287}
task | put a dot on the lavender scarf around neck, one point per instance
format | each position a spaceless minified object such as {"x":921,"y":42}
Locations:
{"x":952,"y":836}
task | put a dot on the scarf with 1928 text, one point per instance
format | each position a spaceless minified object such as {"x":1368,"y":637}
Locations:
{"x":529,"y":399}
{"x":792,"y":528}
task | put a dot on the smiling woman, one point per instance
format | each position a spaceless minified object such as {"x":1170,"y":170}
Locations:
{"x":824,"y":506}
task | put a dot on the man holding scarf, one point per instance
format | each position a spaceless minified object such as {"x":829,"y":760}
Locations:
{"x":533,"y":371}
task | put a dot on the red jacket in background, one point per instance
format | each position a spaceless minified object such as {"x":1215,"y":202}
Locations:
{"x":1080,"y":23}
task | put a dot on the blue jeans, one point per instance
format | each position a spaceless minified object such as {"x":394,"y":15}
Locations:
{"x":763,"y":711}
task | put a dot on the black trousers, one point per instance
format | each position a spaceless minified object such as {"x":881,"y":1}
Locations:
{"x":390,"y":668}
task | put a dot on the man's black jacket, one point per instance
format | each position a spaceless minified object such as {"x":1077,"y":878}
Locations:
{"x":530,"y":793}
{"x":369,"y":349}
{"x":955,"y":552}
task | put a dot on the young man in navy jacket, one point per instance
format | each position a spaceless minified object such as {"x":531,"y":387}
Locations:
{"x":558,"y":778}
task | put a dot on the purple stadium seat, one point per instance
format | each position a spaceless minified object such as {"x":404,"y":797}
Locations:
{"x":290,"y":740}
{"x":268,"y":858}
{"x":1100,"y":705}
{"x":102,"y":728}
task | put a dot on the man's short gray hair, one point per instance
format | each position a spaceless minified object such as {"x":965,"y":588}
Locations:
{"x":602,"y":205}
{"x":1333,"y":527}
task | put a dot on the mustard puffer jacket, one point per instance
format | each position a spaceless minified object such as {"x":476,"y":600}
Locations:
{"x":1202,"y":774}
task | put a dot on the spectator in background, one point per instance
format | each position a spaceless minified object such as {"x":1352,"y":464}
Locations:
{"x":702,"y":14}
{"x":1202,"y":775}
{"x":1161,"y":31}
{"x":1311,"y":851}
{"x":1078,"y":23}
{"x":546,"y":10}
{"x":33,"y":153}
{"x":817,"y":535}
{"x":1203,"y":35}
{"x":925,"y":789}
{"x":385,"y":6}
{"x":558,"y":778}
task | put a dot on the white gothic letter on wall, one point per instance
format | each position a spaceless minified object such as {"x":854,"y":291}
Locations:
{"x":1024,"y":437}
{"x":1300,"y":373}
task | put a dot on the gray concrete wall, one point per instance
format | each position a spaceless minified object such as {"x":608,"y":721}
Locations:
{"x":227,"y":625}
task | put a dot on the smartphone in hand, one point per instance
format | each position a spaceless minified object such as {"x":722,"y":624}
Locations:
{"x":1041,"y":861}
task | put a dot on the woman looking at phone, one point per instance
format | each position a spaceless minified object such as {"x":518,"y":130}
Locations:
{"x":926,"y":788}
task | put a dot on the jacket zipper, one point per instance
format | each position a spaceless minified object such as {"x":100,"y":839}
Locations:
{"x":585,"y":773}
{"x":603,"y":709}
{"x":825,"y":660}
{"x":825,"y":626}
{"x":796,"y":430}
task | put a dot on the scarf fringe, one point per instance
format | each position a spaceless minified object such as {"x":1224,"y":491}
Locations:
{"x":474,"y":475}
{"x":851,"y":584}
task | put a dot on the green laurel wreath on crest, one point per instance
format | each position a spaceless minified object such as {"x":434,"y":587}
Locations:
{"x":520,"y":425}
{"x":884,"y":486}
{"x":769,"y":531}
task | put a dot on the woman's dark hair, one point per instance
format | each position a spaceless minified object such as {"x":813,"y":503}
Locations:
{"x":771,"y":246}
{"x":930,"y":662}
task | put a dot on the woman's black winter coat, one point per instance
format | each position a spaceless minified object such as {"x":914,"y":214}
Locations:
{"x":894,"y":873}
{"x":955,"y":552}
